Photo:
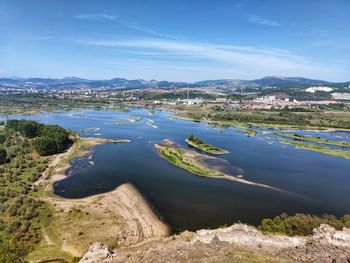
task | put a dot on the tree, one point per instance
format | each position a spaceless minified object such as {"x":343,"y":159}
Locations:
{"x":3,"y":155}
{"x":28,"y":128}
{"x":2,"y":138}
{"x":45,"y":145}
{"x":48,"y":130}
{"x":12,"y":124}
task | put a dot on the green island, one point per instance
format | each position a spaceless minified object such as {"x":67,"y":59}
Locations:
{"x":248,"y":132}
{"x":185,"y":159}
{"x":313,"y":139}
{"x":194,"y":163}
{"x":196,"y":142}
{"x":318,"y":148}
{"x":134,"y":119}
{"x":120,"y":123}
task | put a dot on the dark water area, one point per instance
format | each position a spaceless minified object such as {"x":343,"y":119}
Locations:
{"x":319,"y":183}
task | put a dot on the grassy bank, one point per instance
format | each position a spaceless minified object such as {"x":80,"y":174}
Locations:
{"x":204,"y":146}
{"x":313,"y":139}
{"x":320,"y":149}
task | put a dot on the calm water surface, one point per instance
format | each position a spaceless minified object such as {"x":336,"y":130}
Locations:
{"x":318,"y":183}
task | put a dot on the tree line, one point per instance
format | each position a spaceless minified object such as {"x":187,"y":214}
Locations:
{"x":47,"y":139}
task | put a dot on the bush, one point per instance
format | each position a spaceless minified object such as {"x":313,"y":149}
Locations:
{"x":3,"y":155}
{"x":12,"y":124}
{"x":301,"y":224}
{"x":2,"y":138}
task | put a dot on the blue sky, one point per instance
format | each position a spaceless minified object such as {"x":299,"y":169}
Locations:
{"x":182,"y":40}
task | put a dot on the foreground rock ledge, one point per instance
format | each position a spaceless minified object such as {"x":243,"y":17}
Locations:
{"x":225,"y":244}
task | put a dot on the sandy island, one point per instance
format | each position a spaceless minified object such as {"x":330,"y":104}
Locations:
{"x":119,"y":218}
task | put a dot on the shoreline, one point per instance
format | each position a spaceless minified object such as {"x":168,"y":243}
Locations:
{"x":120,"y":217}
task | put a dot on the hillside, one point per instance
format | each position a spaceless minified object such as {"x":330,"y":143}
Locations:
{"x":122,"y":83}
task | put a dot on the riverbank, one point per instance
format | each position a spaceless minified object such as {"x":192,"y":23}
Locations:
{"x":194,"y":163}
{"x":118,"y":218}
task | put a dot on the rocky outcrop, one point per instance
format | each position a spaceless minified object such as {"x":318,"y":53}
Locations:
{"x":225,"y":244}
{"x":98,"y":253}
{"x":325,"y":244}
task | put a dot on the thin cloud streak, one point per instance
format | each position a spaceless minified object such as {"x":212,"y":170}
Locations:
{"x":131,"y":25}
{"x":221,"y":53}
{"x":254,"y":19}
{"x":97,"y":17}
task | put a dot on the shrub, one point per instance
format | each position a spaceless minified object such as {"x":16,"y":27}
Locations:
{"x":2,"y":138}
{"x":3,"y":155}
{"x":301,"y":224}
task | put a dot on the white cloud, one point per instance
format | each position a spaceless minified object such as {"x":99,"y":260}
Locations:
{"x":254,"y":19}
{"x":97,"y":17}
{"x":227,"y":61}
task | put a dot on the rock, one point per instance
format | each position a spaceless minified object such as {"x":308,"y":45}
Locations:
{"x":326,"y":245}
{"x":98,"y":253}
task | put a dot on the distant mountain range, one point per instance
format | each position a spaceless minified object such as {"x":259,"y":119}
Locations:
{"x":121,"y":83}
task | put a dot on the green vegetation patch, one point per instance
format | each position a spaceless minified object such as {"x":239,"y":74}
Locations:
{"x":120,"y":123}
{"x":320,"y":149}
{"x":179,"y":158}
{"x":301,"y":224}
{"x":203,"y":146}
{"x":313,"y":139}
{"x":248,"y":132}
{"x":48,"y":139}
{"x":22,"y":214}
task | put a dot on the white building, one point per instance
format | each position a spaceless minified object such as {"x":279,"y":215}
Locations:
{"x":195,"y":101}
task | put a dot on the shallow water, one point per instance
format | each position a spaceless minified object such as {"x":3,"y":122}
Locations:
{"x":319,"y":183}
